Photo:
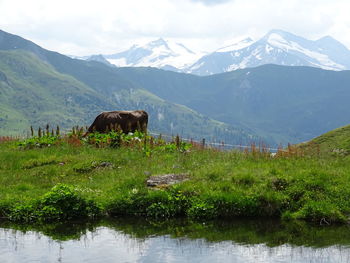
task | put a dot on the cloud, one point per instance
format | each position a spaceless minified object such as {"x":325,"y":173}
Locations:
{"x":211,"y":2}
{"x":84,"y":27}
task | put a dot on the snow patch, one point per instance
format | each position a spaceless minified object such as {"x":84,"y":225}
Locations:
{"x":322,"y":60}
{"x":159,"y":53}
{"x":120,"y":62}
{"x":236,"y":46}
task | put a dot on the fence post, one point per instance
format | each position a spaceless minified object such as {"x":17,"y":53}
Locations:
{"x":203,"y":142}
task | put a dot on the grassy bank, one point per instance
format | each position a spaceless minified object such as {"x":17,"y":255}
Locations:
{"x":73,"y":178}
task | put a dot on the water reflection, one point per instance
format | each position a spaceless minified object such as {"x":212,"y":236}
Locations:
{"x":130,"y":240}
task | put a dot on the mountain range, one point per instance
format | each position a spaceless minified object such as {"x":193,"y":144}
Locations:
{"x":159,"y":53}
{"x":276,"y":47}
{"x":38,"y":86}
{"x":270,"y":103}
{"x":279,"y":103}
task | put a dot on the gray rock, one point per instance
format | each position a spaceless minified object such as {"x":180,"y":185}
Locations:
{"x":166,"y":179}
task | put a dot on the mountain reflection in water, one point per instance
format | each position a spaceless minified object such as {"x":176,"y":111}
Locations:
{"x":135,"y":240}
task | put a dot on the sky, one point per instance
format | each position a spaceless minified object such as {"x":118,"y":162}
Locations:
{"x":84,"y":27}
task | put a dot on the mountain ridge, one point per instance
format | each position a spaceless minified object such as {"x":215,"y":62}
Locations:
{"x":289,"y":104}
{"x":159,"y":53}
{"x":276,"y":47}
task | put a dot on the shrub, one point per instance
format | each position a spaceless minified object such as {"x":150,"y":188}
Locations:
{"x":23,"y":213}
{"x":154,"y":204}
{"x":60,"y":204}
{"x":320,"y":211}
{"x":161,"y":210}
{"x":39,"y":142}
{"x":235,"y":204}
{"x":5,"y":208}
{"x":63,"y":203}
{"x":201,"y":209}
{"x":111,"y":139}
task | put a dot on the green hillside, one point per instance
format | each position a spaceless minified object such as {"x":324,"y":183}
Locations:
{"x":34,"y":93}
{"x":336,"y":142}
{"x":290,"y":104}
{"x":170,"y":118}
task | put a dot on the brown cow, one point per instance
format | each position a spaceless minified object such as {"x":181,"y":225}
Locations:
{"x":127,"y":121}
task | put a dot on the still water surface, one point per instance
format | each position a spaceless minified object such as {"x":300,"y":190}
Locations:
{"x":127,"y":240}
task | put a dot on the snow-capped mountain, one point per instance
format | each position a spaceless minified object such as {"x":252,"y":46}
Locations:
{"x":159,"y":53}
{"x":276,"y":47}
{"x":236,"y":46}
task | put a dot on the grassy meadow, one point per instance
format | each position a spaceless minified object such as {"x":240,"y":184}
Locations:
{"x":55,"y":178}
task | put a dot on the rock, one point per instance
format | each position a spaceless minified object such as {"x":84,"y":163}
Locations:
{"x":166,"y":179}
{"x":105,"y":164}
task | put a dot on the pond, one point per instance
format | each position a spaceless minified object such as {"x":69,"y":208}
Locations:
{"x":139,"y":240}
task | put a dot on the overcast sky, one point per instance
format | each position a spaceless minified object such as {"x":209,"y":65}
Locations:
{"x":82,"y":27}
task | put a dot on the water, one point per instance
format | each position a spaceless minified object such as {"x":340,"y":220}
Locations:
{"x":130,"y":240}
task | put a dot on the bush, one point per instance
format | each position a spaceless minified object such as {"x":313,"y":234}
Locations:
{"x":23,"y":213}
{"x":202,"y":210}
{"x":111,"y":139}
{"x":39,"y":142}
{"x":319,"y":211}
{"x":238,"y":204}
{"x":60,"y":204}
{"x":161,"y":210}
{"x":154,"y":204}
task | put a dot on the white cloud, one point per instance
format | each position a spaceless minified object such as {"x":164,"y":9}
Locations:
{"x":84,"y":27}
{"x":211,"y":2}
